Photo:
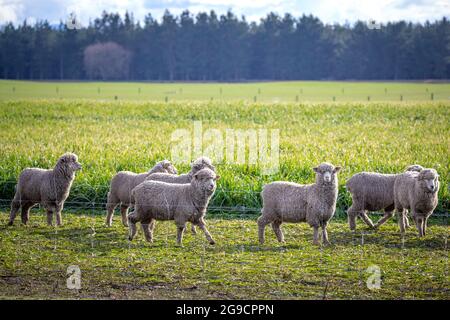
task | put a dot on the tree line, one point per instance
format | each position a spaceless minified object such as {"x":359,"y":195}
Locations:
{"x":209,"y":47}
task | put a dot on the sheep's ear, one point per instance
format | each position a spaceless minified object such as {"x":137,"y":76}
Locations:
{"x":217,"y":178}
{"x":337,"y":169}
{"x":196,"y":176}
{"x":316,"y":169}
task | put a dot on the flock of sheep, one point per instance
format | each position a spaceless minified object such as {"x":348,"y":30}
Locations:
{"x":162,"y":194}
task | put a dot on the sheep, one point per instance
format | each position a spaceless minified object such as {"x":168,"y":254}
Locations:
{"x":197,"y":165}
{"x":50,"y":188}
{"x":418,"y":192}
{"x":157,"y":200}
{"x":372,"y":192}
{"x":122,"y":184}
{"x":292,"y":202}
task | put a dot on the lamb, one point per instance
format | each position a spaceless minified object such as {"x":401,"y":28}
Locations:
{"x":418,"y":192}
{"x":372,"y":192}
{"x":197,"y":165}
{"x":292,"y":202}
{"x":157,"y":200}
{"x":50,"y":188}
{"x":122,"y":184}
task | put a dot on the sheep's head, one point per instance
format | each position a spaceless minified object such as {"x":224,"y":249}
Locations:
{"x":429,"y":180}
{"x":326,"y":173}
{"x":205,"y":180}
{"x":201,"y":163}
{"x":69,"y":162}
{"x":169,"y":167}
{"x":415,"y":167}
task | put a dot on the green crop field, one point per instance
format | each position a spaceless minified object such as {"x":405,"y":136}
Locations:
{"x":273,"y":92}
{"x":38,"y":124}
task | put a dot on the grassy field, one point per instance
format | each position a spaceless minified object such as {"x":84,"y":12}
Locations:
{"x":113,"y":136}
{"x":37,"y":126}
{"x":34,"y":262}
{"x":292,"y":91}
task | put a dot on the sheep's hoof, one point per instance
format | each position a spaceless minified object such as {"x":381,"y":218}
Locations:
{"x":316,"y":243}
{"x":125,"y":224}
{"x":10,"y":223}
{"x":212,"y":242}
{"x":326,"y":243}
{"x":130,"y":238}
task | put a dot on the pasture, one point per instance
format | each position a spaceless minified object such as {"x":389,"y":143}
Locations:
{"x":38,"y":124}
{"x":269,"y":92}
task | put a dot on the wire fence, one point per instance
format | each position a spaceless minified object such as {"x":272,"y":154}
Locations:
{"x":86,"y":196}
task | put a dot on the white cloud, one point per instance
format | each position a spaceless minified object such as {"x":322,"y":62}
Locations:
{"x":328,"y":11}
{"x":10,"y":11}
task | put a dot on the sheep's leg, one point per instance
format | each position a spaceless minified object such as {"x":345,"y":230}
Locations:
{"x":386,"y":217}
{"x":193,"y":230}
{"x":146,"y":227}
{"x":111,"y":205}
{"x":58,"y":217}
{"x":276,"y":227}
{"x":366,"y":219}
{"x":49,"y":217}
{"x":124,"y":213}
{"x":405,"y":217}
{"x":180,"y":231}
{"x":325,"y":235}
{"x":202,"y":226}
{"x":15,"y":206}
{"x":419,"y":223}
{"x":401,"y":220}
{"x":262,"y":222}
{"x":351,"y":216}
{"x":316,"y":237}
{"x":132,"y":226}
{"x":25,"y":214}
{"x":424,"y":226}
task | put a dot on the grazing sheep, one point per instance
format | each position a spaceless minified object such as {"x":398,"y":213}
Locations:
{"x":292,"y":202}
{"x":372,"y":192}
{"x":50,"y":188}
{"x":122,"y":184}
{"x":156,"y":200}
{"x":197,"y":165}
{"x":418,"y":192}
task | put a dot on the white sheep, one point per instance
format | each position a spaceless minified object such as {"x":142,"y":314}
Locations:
{"x":197,"y":165}
{"x":122,"y":184}
{"x":372,"y":191}
{"x":156,"y":200}
{"x":417,"y":192}
{"x":292,"y":202}
{"x":50,"y":188}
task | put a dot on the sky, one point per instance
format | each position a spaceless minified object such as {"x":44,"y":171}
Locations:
{"x":329,"y":11}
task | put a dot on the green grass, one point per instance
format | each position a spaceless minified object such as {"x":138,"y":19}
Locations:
{"x":113,"y":136}
{"x":34,"y":261}
{"x":291,"y":91}
{"x":37,"y":126}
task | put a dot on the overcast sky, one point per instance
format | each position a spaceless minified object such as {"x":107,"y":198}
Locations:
{"x":329,"y":11}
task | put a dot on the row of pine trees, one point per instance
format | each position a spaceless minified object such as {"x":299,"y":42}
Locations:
{"x":211,"y":47}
